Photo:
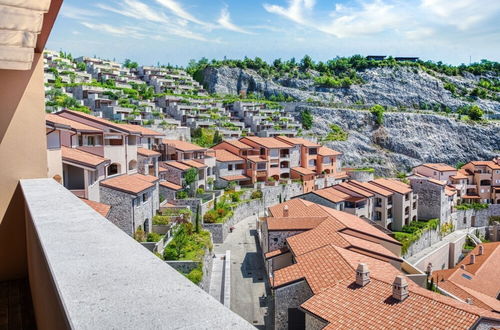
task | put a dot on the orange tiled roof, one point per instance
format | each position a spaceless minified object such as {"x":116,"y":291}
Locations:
{"x":393,"y":185}
{"x":440,"y":167}
{"x":303,"y":170}
{"x":193,"y":163}
{"x":331,"y":194}
{"x":297,"y":141}
{"x":133,"y":184}
{"x":256,"y":159}
{"x":148,"y":178}
{"x":297,"y":208}
{"x":222,"y":155}
{"x":481,"y":277}
{"x":287,"y":223}
{"x":170,"y":185}
{"x":162,"y":169}
{"x":449,"y":191}
{"x":238,"y":144}
{"x":489,"y":163}
{"x":236,"y":177}
{"x":275,"y":253}
{"x":372,"y":188}
{"x":183,"y":145}
{"x":177,"y":165}
{"x":102,"y":209}
{"x":354,"y":188}
{"x":461,"y":174}
{"x":438,"y":182}
{"x":101,"y":121}
{"x":325,"y":151}
{"x":82,"y":157}
{"x":147,"y":152}
{"x":143,"y":130}
{"x":267,"y":142}
{"x":71,"y":123}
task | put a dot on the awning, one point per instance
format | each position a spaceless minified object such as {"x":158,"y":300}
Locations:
{"x":20,"y":23}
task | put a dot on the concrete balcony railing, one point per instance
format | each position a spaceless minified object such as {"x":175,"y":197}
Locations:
{"x":85,"y":273}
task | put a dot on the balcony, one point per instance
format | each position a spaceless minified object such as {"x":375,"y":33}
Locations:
{"x":85,"y":273}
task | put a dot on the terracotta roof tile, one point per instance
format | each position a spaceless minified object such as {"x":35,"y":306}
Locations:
{"x":489,"y":163}
{"x":52,"y":118}
{"x":143,"y":130}
{"x":440,"y":167}
{"x":82,"y":157}
{"x":237,"y":177}
{"x":193,"y":163}
{"x":222,"y":155}
{"x":183,"y":145}
{"x":275,"y":253}
{"x":372,"y":188}
{"x":393,"y":185}
{"x":147,"y":152}
{"x":238,"y":144}
{"x":133,"y":184}
{"x":102,"y":209}
{"x":331,"y":194}
{"x":302,"y":170}
{"x":325,"y":151}
{"x":355,"y":189}
{"x":100,"y":121}
{"x":256,"y":159}
{"x":287,"y":223}
{"x":170,"y":185}
{"x":177,"y":165}
{"x":267,"y":142}
{"x":297,"y":141}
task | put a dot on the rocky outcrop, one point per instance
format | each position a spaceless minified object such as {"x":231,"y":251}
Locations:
{"x":389,"y":86}
{"x":405,"y":139}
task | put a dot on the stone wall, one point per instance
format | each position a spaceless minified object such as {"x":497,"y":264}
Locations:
{"x":186,"y":266}
{"x":289,"y":296}
{"x":277,"y":238}
{"x":121,"y":208}
{"x":433,"y":203}
{"x":362,"y":176}
{"x":314,"y":323}
{"x":427,"y":239}
{"x":271,"y":195}
{"x":476,"y":218}
{"x":221,"y":230}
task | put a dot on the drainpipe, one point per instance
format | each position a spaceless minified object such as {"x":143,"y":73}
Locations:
{"x":126,"y":153}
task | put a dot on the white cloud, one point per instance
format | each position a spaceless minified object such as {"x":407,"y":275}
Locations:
{"x":419,"y":33}
{"x":135,"y":9}
{"x":371,"y":18}
{"x":225,"y":22}
{"x":177,"y":10}
{"x":295,"y":10}
{"x":463,"y":14}
{"x":69,"y":11}
{"x":124,"y":31}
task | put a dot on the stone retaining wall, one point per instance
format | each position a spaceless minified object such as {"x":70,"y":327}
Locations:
{"x":427,"y":239}
{"x":185,"y":266}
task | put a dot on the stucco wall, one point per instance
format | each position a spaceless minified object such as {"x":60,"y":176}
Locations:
{"x":23,"y":152}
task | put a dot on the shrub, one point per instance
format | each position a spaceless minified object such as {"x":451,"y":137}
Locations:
{"x":271,"y":179}
{"x":336,"y":134}
{"x":200,"y":191}
{"x":182,"y":194}
{"x":140,"y":235}
{"x":196,"y":275}
{"x":154,"y":237}
{"x":451,"y":87}
{"x":475,"y":113}
{"x":210,"y":216}
{"x":161,"y":220}
{"x":378,"y":111}
{"x":307,"y":119}
{"x":256,"y":194}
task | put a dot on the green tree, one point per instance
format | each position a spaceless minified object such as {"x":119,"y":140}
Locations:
{"x":306,"y":118}
{"x":306,"y":63}
{"x":475,"y":113}
{"x":197,"y":221}
{"x":129,"y":64}
{"x":190,"y":176}
{"x":378,"y":111}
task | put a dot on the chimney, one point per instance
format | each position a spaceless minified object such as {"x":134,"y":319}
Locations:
{"x":481,"y":250}
{"x":400,"y":288}
{"x":472,"y":259}
{"x":285,"y":211}
{"x":462,"y":266}
{"x":468,"y":300}
{"x":362,"y":274}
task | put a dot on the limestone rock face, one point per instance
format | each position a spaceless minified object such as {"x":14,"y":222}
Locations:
{"x":405,"y":139}
{"x":396,"y":86}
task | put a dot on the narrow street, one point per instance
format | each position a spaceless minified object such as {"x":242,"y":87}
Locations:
{"x":247,"y":273}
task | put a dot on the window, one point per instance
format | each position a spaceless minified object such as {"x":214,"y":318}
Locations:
{"x":313,"y":151}
{"x":261,"y":166}
{"x":113,"y":169}
{"x":137,"y":201}
{"x":145,"y":197}
{"x":262,"y":151}
{"x":132,"y":165}
{"x":92,"y":177}
{"x":230,"y":167}
{"x":80,"y":140}
{"x":90,"y":141}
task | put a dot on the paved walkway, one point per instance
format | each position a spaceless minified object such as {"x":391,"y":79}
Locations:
{"x":248,"y":289}
{"x":217,"y":277}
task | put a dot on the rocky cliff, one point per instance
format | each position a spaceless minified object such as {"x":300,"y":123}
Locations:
{"x":398,"y":86}
{"x":405,"y":139}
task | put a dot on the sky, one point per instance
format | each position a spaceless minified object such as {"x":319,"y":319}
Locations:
{"x":174,"y":31}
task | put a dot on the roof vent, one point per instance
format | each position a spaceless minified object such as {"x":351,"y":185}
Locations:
{"x":481,"y":250}
{"x":468,"y":300}
{"x":285,"y":211}
{"x":462,"y":266}
{"x":400,"y":288}
{"x":472,"y":259}
{"x":362,"y":275}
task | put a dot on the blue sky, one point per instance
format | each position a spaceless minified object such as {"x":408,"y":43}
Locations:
{"x":175,"y":31}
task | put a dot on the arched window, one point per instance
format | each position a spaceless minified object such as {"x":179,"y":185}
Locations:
{"x":113,"y":169}
{"x":132,"y":165}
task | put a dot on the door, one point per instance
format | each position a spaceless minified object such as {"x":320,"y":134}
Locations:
{"x":296,"y":319}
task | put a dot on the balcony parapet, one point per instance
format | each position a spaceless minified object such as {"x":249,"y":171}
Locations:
{"x":85,"y":273}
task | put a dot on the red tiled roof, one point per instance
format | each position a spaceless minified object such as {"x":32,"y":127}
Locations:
{"x":325,"y":151}
{"x":193,"y":163}
{"x":147,"y":152}
{"x":170,"y":185}
{"x":222,"y":155}
{"x":237,"y":177}
{"x":267,"y":142}
{"x":297,"y":141}
{"x":102,"y":209}
{"x":393,"y":185}
{"x":256,"y":159}
{"x":449,"y":191}
{"x":143,"y":130}
{"x":183,"y":145}
{"x":355,"y":189}
{"x":101,"y":121}
{"x":303,"y":170}
{"x":489,"y":163}
{"x":238,"y":144}
{"x":331,"y":194}
{"x":440,"y":167}
{"x":51,"y":118}
{"x":275,"y":253}
{"x":177,"y":165}
{"x":133,"y":184}
{"x":372,"y":188}
{"x":81,"y":157}
{"x":287,"y":223}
